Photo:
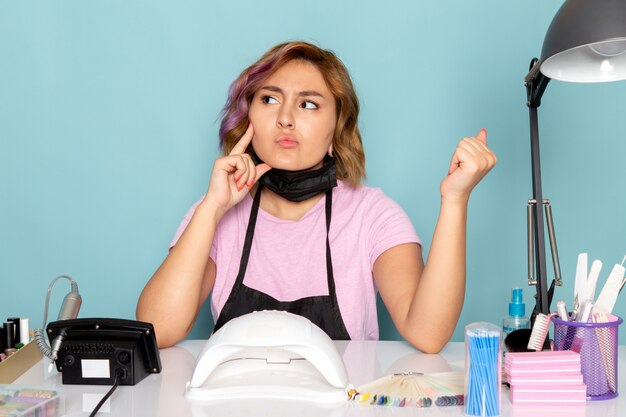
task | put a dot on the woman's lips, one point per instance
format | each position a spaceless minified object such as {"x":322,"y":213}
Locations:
{"x":287,"y":142}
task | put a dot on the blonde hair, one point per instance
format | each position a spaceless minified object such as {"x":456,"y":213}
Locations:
{"x":347,"y":145}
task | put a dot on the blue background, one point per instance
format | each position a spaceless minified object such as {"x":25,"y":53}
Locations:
{"x":109,"y":119}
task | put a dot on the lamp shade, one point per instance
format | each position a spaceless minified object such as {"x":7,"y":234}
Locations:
{"x":586,"y":42}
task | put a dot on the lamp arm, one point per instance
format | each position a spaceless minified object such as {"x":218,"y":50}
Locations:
{"x":553,"y":248}
{"x":530,"y":225}
{"x":536,"y":84}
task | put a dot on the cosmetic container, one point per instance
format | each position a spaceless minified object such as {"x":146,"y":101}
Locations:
{"x":483,"y":365}
{"x":517,"y":318}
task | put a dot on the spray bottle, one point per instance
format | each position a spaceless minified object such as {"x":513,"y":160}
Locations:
{"x":517,"y":318}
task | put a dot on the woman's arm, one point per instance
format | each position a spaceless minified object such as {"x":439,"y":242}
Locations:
{"x":425,"y":301}
{"x":173,"y":296}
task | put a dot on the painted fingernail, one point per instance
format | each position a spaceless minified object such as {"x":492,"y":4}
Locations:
{"x":483,"y":130}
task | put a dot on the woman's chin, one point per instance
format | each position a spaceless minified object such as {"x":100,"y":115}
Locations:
{"x":291,"y":164}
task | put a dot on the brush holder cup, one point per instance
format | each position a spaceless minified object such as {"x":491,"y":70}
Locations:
{"x":597,"y":344}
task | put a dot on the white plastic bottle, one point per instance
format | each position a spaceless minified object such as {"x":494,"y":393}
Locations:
{"x":517,"y":318}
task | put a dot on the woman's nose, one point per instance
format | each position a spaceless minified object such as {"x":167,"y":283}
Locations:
{"x":285,"y":119}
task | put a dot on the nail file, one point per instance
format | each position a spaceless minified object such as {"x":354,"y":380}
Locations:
{"x":608,"y":295}
{"x":580,"y":283}
{"x":583,"y":317}
{"x":592,"y":279}
{"x":585,"y":311}
{"x":561,"y":310}
{"x":624,"y":280}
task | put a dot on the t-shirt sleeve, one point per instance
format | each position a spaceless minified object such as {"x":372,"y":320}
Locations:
{"x":183,"y":225}
{"x":389,"y":226}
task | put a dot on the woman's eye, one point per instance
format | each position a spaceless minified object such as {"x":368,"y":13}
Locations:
{"x":309,"y":105}
{"x":269,"y":100}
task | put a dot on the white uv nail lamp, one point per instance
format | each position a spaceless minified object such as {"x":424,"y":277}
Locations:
{"x":269,"y":355}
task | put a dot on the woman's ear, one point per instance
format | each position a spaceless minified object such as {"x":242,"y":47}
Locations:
{"x":330,"y":150}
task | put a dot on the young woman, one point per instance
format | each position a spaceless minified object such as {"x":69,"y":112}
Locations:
{"x":286,"y":224}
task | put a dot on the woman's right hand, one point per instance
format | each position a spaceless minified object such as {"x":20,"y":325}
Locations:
{"x":234,"y":175}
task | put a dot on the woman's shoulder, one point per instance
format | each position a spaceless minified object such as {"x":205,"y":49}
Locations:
{"x":362,"y":195}
{"x":371,"y":210}
{"x":360,"y":192}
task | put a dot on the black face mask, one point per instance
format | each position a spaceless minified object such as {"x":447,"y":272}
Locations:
{"x":299,"y":185}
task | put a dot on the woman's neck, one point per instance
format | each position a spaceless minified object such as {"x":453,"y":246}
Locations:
{"x":284,"y":209}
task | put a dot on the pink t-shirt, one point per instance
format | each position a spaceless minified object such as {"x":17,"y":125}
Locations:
{"x":288,"y":258}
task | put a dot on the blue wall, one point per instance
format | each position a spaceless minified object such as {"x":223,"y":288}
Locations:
{"x":108,"y":130}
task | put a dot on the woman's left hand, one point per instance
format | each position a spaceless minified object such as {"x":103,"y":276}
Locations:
{"x":471,"y":161}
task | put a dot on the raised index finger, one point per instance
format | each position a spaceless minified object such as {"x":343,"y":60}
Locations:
{"x":241,"y":146}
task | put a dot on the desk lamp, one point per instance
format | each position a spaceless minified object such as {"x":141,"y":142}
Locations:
{"x":586,"y":42}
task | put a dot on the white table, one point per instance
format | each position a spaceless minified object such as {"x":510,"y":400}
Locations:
{"x":162,"y":394}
